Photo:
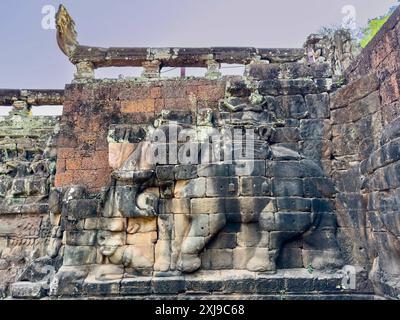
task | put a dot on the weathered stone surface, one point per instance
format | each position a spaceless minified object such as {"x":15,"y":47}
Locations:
{"x":324,"y":182}
{"x":210,"y":206}
{"x":79,"y":209}
{"x":199,"y":226}
{"x":132,"y":287}
{"x":28,"y":290}
{"x":91,"y":224}
{"x":282,"y":153}
{"x":354,"y":91}
{"x":289,"y":204}
{"x":287,"y":188}
{"x":223,"y":240}
{"x":318,"y":105}
{"x":257,"y":186}
{"x":318,"y":187}
{"x":118,"y":153}
{"x":81,"y":238}
{"x":221,"y":259}
{"x":141,"y":225}
{"x":290,"y":258}
{"x":288,"y":70}
{"x":357,"y":110}
{"x":113,"y":224}
{"x":144,"y":238}
{"x":213,"y":170}
{"x":68,"y":281}
{"x":172,"y":285}
{"x":184,"y":172}
{"x":320,"y":259}
{"x":180,"y":206}
{"x":140,"y":255}
{"x":222,"y":187}
{"x":165,"y":173}
{"x":294,"y":86}
{"x":79,"y":255}
{"x":194,"y":188}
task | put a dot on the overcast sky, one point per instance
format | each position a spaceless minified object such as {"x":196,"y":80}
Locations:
{"x":30,"y":58}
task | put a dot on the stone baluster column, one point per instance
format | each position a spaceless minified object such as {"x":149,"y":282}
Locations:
{"x":151,"y":69}
{"x":213,"y":69}
{"x":84,"y":70}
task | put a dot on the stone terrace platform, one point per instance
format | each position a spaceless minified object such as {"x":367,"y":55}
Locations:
{"x":221,"y":285}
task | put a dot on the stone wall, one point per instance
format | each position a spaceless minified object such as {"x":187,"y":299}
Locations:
{"x":365,"y":126}
{"x":27,"y":170}
{"x":318,"y":191}
{"x":277,"y":214}
{"x":90,"y":110}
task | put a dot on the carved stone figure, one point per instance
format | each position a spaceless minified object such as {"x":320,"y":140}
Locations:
{"x":204,"y":198}
{"x":66,"y":34}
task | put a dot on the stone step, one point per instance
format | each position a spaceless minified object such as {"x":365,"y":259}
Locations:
{"x":285,"y":283}
{"x":28,"y":290}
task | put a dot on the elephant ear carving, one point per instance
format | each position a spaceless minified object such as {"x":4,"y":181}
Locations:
{"x":66,"y":33}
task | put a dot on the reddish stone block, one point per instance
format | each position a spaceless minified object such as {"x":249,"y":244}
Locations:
{"x":73,"y":164}
{"x":140,"y":91}
{"x":381,"y":46}
{"x":68,"y":107}
{"x":112,"y":107}
{"x":101,"y":144}
{"x":203,"y":92}
{"x":102,"y":179}
{"x":66,"y":141}
{"x":88,"y":127}
{"x":174,"y":89}
{"x":178,"y":104}
{"x":64,"y":179}
{"x":159,"y":105}
{"x":130,"y":91}
{"x":390,"y":112}
{"x":212,"y":92}
{"x":155,"y":93}
{"x":87,"y":143}
{"x":354,"y":91}
{"x":388,"y":66}
{"x":98,"y":160}
{"x":191,"y":90}
{"x":102,"y":92}
{"x":390,"y":89}
{"x":85,"y":177}
{"x":60,"y":166}
{"x":138,"y":106}
{"x":66,"y":153}
{"x":79,"y":92}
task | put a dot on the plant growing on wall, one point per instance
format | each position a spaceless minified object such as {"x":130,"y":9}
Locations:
{"x":373,"y":27}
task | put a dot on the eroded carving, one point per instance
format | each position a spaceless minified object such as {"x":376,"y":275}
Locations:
{"x":66,"y":33}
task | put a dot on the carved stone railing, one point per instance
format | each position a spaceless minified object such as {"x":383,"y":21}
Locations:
{"x":87,"y":58}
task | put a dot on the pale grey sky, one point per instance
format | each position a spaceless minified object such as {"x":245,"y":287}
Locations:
{"x":30,"y":58}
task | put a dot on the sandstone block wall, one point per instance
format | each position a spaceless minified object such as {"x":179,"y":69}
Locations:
{"x":90,"y":110}
{"x":365,"y":130}
{"x":322,"y":193}
{"x":278,"y":215}
{"x":27,"y":170}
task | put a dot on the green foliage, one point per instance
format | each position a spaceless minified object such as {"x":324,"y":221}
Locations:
{"x":373,"y":27}
{"x":341,"y":81}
